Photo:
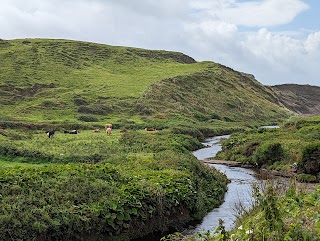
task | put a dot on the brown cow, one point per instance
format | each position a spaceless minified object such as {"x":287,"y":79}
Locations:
{"x":108,"y":126}
{"x":108,"y":131}
{"x":150,"y":129}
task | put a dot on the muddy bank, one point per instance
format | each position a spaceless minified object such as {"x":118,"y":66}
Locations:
{"x":261,"y":171}
{"x":228,"y":163}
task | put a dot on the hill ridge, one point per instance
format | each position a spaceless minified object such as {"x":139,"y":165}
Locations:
{"x":47,"y":80}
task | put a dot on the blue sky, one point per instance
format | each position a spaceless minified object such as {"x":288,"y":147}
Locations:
{"x":309,"y":19}
{"x":278,"y":41}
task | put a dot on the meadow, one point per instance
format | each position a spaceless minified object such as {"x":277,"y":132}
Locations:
{"x":98,"y":187}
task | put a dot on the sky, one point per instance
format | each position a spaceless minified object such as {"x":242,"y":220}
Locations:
{"x":278,"y":41}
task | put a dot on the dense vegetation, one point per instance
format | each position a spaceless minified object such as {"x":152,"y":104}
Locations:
{"x":292,"y":216}
{"x":295,"y":147}
{"x":89,"y":186}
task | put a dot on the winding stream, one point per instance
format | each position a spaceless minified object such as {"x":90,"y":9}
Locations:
{"x":239,"y":189}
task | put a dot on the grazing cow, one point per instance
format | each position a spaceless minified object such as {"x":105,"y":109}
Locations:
{"x":108,"y":126}
{"x":96,"y":130}
{"x":50,"y":133}
{"x":108,"y":131}
{"x":150,"y":129}
{"x":123,"y":130}
{"x":73,"y":132}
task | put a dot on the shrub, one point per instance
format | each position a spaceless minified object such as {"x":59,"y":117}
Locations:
{"x":80,"y":101}
{"x":215,"y":116}
{"x":201,"y":116}
{"x":188,"y":131}
{"x":95,"y":109}
{"x":87,"y":118}
{"x":268,"y":153}
{"x":310,"y":161}
{"x":306,"y":178}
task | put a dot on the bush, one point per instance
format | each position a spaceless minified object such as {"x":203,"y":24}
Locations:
{"x":306,"y":178}
{"x":268,"y":153}
{"x":80,"y":101}
{"x":87,"y":118}
{"x":201,"y":116}
{"x":188,"y":131}
{"x":310,"y":161}
{"x":95,"y":109}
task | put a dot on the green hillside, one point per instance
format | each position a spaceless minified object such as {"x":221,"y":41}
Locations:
{"x":60,"y":80}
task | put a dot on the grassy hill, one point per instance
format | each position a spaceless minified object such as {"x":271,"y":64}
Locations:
{"x":46,"y":80}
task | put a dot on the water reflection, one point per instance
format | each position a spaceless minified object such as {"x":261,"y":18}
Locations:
{"x":239,"y":192}
{"x":239,"y":189}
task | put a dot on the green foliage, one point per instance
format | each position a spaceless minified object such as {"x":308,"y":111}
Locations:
{"x":281,"y":149}
{"x":306,"y":178}
{"x":80,"y":101}
{"x":293,"y":216}
{"x":107,"y":186}
{"x":191,"y":131}
{"x":268,"y":153}
{"x":310,"y":161}
{"x":87,"y":118}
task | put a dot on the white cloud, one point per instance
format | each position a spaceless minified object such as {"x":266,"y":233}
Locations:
{"x":262,"y":13}
{"x":204,"y":29}
{"x":312,"y":44}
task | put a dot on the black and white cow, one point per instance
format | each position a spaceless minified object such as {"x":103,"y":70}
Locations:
{"x":73,"y":132}
{"x":50,"y":133}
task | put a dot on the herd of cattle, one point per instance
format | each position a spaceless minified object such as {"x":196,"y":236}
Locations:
{"x":108,"y":129}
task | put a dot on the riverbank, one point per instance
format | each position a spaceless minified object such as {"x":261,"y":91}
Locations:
{"x":261,"y":171}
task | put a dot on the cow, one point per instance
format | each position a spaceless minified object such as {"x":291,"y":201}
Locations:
{"x":73,"y":132}
{"x":108,"y":131}
{"x":66,"y":132}
{"x":108,"y":126}
{"x":50,"y":133}
{"x":96,"y":130}
{"x":150,"y":129}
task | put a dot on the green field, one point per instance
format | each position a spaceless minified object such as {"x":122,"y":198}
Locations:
{"x":95,"y":186}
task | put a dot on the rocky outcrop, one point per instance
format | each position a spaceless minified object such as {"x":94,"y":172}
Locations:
{"x":301,"y":99}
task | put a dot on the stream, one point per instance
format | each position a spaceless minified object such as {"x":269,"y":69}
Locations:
{"x":239,"y":189}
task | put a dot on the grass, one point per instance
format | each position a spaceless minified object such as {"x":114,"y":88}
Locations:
{"x":46,"y":80}
{"x":293,"y":137}
{"x":70,"y":186}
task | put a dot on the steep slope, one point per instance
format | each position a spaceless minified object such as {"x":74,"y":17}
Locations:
{"x":217,"y":92}
{"x":302,"y":99}
{"x":61,"y":80}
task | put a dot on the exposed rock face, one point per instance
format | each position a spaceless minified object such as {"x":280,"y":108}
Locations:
{"x":301,"y":99}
